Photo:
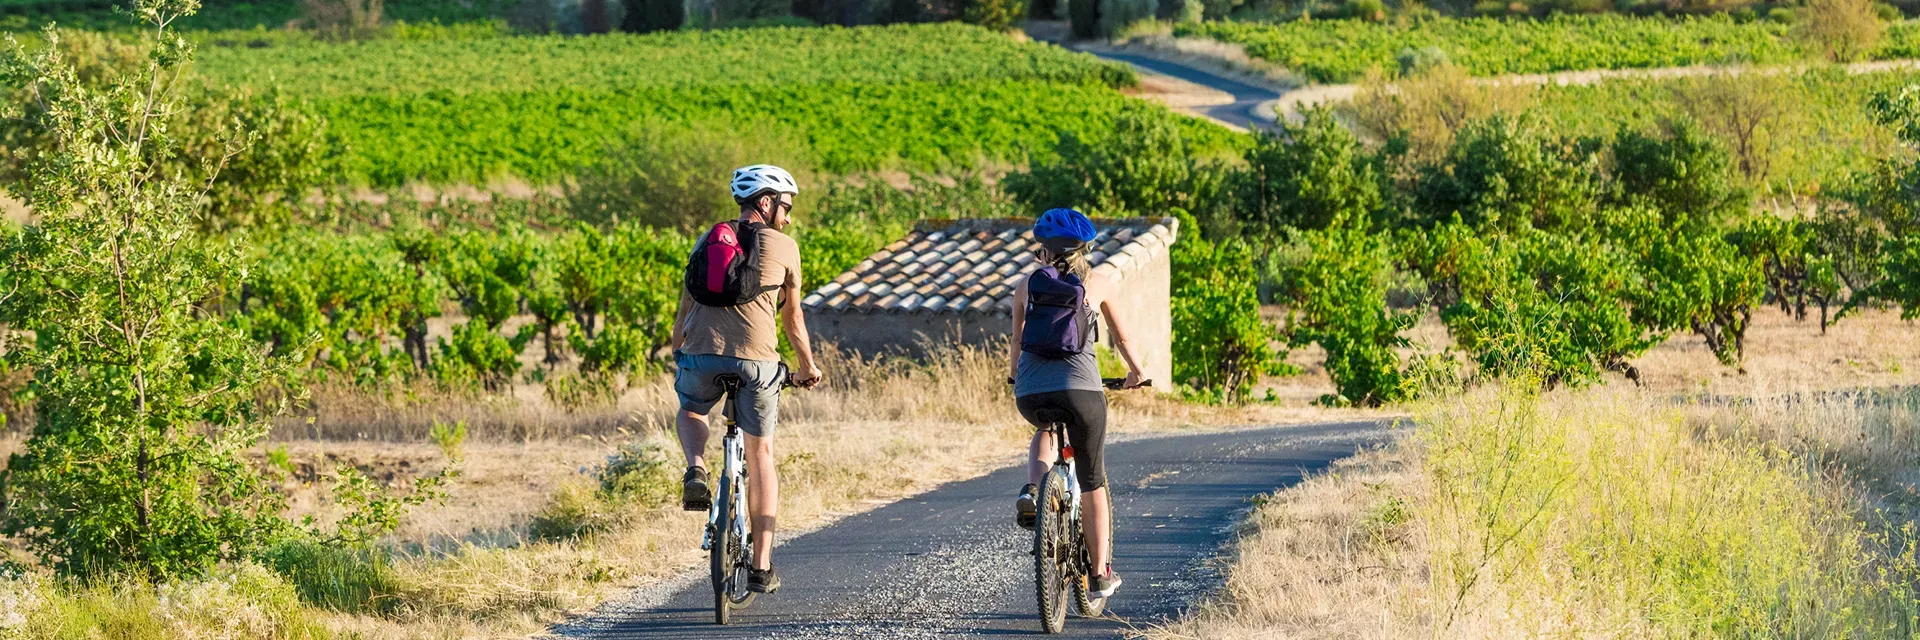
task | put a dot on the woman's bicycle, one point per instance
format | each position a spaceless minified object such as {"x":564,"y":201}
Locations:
{"x":730,"y":555}
{"x":1062,"y":561}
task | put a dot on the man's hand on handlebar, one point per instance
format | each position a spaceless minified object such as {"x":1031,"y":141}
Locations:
{"x":808,"y":379}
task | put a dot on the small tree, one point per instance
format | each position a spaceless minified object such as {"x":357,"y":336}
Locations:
{"x":147,"y":399}
{"x":1839,"y":30}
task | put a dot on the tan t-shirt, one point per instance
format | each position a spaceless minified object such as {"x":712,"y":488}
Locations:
{"x":746,"y":331}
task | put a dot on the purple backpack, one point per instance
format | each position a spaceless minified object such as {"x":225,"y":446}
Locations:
{"x":1056,"y":315}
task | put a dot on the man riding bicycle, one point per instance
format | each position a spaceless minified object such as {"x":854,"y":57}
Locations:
{"x":1056,"y":373}
{"x":739,"y":273}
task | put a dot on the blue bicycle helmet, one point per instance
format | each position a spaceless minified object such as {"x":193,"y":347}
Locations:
{"x":1063,"y":230}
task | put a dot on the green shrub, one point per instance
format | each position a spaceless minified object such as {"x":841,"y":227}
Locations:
{"x":1536,"y":306}
{"x":1222,"y":346}
{"x":673,"y":175}
{"x":350,"y":579}
{"x":575,"y":511}
{"x":641,"y":472}
{"x":1512,"y":173}
{"x":1839,"y":30}
{"x":1337,"y":298}
{"x":1687,"y":175}
{"x":1308,"y":174}
{"x":1118,"y":14}
{"x":1144,"y":165}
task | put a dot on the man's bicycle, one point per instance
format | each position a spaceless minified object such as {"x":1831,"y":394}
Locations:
{"x":730,"y":555}
{"x":1062,"y":562}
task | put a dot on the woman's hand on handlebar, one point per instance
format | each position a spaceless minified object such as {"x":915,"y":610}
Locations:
{"x":1134,"y":380}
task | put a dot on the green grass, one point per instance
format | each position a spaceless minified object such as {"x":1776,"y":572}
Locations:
{"x":1343,"y":50}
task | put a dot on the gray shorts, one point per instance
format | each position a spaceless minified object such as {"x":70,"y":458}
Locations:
{"x":758,"y":412}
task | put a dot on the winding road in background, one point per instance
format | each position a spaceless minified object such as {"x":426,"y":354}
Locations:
{"x":950,"y":563}
{"x":1246,"y":106}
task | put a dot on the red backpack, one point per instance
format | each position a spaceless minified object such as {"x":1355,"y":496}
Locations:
{"x":724,"y":270}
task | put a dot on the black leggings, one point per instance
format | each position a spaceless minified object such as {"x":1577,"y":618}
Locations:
{"x":1085,"y":414}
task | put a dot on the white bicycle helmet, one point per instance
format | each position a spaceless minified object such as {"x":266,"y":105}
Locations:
{"x":756,"y":179}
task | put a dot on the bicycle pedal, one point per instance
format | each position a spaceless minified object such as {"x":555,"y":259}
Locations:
{"x":696,"y":506}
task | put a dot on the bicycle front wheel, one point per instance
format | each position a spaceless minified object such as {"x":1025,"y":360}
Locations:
{"x":1053,"y":551}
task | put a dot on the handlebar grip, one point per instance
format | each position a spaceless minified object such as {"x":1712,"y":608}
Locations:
{"x":1120,"y":383}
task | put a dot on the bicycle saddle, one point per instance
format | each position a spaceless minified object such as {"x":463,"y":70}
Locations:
{"x":1054,"y":416}
{"x":728,"y":381}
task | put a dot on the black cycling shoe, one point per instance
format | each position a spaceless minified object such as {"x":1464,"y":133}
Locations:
{"x":1104,"y":585}
{"x":1027,"y":507}
{"x":759,"y":581}
{"x":696,"y":490}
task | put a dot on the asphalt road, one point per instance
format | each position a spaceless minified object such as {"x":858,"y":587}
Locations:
{"x":951,"y":563}
{"x":1238,"y":113}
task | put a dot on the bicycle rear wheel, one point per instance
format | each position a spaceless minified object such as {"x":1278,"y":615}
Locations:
{"x":1052,"y":551}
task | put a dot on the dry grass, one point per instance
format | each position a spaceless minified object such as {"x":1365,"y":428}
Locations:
{"x":1611,"y":512}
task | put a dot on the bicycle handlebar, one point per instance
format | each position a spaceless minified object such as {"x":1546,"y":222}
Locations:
{"x":1120,"y":383}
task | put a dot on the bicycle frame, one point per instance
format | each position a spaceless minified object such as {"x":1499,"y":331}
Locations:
{"x":727,"y":518}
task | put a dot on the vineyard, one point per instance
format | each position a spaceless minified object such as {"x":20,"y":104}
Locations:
{"x":476,"y":110}
{"x":1336,"y":51}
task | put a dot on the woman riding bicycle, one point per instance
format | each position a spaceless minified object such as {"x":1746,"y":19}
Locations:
{"x":1056,"y":375}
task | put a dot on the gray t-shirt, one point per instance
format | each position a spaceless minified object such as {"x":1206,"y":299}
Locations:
{"x":1040,"y":374}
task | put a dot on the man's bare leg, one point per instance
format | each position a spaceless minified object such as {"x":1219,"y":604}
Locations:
{"x":692,"y":428}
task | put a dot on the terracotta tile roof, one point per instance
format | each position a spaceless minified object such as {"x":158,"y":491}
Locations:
{"x":973,"y":265}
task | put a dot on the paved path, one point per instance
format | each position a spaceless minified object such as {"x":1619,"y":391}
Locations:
{"x":1239,"y":113}
{"x":950,"y":563}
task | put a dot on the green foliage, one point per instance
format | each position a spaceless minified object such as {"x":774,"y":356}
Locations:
{"x":1116,"y":15}
{"x":1308,"y":175}
{"x":1512,"y":173}
{"x":1902,"y":284}
{"x":145,"y":403}
{"x":1534,"y":305}
{"x":1222,"y":345}
{"x":997,"y":15}
{"x":1083,"y":16}
{"x":1699,"y":281}
{"x":1337,"y":297}
{"x":1342,"y":50}
{"x":673,"y":176}
{"x":1143,"y":165}
{"x":1686,"y":175}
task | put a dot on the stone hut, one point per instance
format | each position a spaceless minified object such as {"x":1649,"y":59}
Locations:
{"x":953,"y":281}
